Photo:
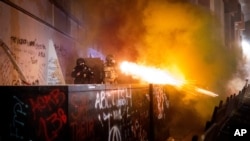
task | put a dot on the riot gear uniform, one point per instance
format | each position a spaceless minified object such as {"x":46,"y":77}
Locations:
{"x":110,"y":72}
{"x":81,"y":72}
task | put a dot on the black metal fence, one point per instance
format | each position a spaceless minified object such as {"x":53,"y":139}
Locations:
{"x":83,"y":113}
{"x":229,"y":116}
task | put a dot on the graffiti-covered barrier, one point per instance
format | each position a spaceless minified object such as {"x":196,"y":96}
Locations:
{"x":80,"y":113}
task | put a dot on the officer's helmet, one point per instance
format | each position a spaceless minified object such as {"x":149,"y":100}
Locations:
{"x":110,"y":59}
{"x":80,"y":61}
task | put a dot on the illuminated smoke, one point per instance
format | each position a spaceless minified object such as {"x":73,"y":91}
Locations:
{"x":157,"y":76}
{"x":246,"y":53}
{"x":113,"y":26}
{"x":150,"y":74}
{"x":184,"y":37}
{"x":168,"y":34}
{"x":241,"y":77}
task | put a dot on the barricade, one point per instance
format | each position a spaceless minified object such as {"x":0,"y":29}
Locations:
{"x":81,"y":113}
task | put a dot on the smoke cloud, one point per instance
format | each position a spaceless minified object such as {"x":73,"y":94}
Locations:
{"x":173,"y":35}
{"x":168,"y":34}
{"x":186,"y":38}
{"x":116,"y":27}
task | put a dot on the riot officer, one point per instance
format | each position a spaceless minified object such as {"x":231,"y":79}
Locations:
{"x":90,"y":75}
{"x":110,"y":71}
{"x":80,"y":72}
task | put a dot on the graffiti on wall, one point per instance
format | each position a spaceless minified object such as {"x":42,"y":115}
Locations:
{"x":31,"y":57}
{"x":20,"y":110}
{"x":37,"y":62}
{"x":51,"y":113}
{"x":54,"y":72}
{"x":108,"y":115}
{"x":10,"y":72}
{"x":36,"y":114}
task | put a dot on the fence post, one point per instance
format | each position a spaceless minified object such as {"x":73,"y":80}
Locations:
{"x":151,"y":113}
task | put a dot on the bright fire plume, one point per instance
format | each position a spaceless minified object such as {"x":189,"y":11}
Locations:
{"x":157,"y":76}
{"x":149,"y":74}
{"x":206,"y":92}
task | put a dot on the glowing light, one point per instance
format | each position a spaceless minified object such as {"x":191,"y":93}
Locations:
{"x":246,"y":48}
{"x":158,"y":76}
{"x":206,"y":92}
{"x":149,"y":74}
{"x":246,"y":52}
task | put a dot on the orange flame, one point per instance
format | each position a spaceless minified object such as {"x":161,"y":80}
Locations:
{"x":206,"y":92}
{"x":157,"y":76}
{"x":150,"y":74}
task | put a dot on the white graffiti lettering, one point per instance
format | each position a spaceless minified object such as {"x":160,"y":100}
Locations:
{"x":17,"y":124}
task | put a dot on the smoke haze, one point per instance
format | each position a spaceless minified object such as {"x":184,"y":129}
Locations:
{"x":173,"y":35}
{"x":114,"y":26}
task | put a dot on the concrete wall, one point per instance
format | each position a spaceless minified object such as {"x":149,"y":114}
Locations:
{"x":30,"y":38}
